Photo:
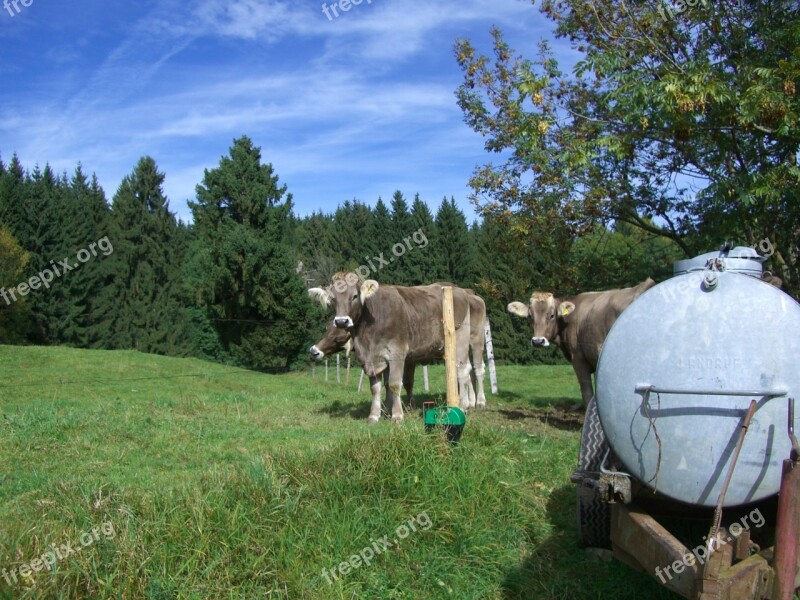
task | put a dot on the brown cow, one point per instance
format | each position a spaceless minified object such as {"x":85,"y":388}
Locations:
{"x":577,"y":324}
{"x":336,"y":339}
{"x":392,"y":325}
{"x":333,"y":341}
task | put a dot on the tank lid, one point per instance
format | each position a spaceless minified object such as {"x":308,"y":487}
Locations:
{"x":741,"y":259}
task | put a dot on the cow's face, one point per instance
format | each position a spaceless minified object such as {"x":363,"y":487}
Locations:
{"x":348,"y":294}
{"x":546,"y":316}
{"x":334,"y":340}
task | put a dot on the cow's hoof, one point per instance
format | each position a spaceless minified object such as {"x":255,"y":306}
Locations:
{"x":482,"y":405}
{"x":373,"y":420}
{"x":397,"y":419}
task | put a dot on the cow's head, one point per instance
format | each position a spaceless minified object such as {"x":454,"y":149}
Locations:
{"x":348,"y":294}
{"x":545,"y":314}
{"x":335,"y":339}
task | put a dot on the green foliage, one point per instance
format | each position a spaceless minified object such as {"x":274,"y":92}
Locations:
{"x":622,"y":257}
{"x":659,"y":105}
{"x":14,"y":314}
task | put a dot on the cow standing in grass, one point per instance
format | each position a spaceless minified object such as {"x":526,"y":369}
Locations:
{"x":577,"y":324}
{"x":392,"y":325}
{"x":335,"y":339}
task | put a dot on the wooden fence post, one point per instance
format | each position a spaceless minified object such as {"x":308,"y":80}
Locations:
{"x":451,"y":368}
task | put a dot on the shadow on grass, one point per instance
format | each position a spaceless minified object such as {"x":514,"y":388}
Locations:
{"x":341,"y":410}
{"x":504,"y":395}
{"x":360,"y":410}
{"x":557,"y":567}
{"x":566,"y":420}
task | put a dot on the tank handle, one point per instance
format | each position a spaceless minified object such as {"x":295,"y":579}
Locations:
{"x":648,"y":388}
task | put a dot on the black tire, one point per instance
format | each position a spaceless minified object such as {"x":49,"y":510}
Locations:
{"x":594,"y":515}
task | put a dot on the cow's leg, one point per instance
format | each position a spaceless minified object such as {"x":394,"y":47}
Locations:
{"x":408,"y":382}
{"x":465,"y":391}
{"x":480,"y":394}
{"x":393,"y":392}
{"x":479,"y":370}
{"x":584,"y":373}
{"x":375,"y":410}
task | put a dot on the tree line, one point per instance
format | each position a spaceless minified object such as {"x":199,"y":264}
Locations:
{"x":231,"y":286}
{"x":669,"y":137}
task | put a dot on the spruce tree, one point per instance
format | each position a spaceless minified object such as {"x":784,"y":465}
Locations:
{"x":149,"y":245}
{"x":86,"y":222}
{"x":318,"y":249}
{"x":12,"y":194}
{"x":382,"y":234}
{"x":44,"y":207}
{"x":454,"y":245}
{"x":352,"y":223}
{"x":402,"y":227}
{"x":419,"y":263}
{"x":243,"y":274}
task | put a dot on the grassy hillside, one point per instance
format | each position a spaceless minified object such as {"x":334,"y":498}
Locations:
{"x":140,"y":476}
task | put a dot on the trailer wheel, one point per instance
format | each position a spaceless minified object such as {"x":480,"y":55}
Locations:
{"x":594,"y":515}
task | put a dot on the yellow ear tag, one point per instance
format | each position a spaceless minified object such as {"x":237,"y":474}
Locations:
{"x":565,"y":310}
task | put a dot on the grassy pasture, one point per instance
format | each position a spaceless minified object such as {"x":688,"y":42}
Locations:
{"x":204,"y":481}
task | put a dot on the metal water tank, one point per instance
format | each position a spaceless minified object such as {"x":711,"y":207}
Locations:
{"x":677,"y":373}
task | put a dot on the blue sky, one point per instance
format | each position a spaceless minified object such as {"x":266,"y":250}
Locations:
{"x":354,"y":106}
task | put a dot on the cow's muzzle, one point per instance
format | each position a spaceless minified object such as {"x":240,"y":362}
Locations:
{"x":540,"y":342}
{"x":316,"y":353}
{"x":343,"y":322}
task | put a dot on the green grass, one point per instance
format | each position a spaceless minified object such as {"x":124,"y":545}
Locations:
{"x":222,"y":483}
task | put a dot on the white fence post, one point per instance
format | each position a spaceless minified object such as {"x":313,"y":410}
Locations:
{"x":487,"y":333}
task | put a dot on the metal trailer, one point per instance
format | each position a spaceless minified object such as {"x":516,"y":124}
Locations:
{"x":691,"y":431}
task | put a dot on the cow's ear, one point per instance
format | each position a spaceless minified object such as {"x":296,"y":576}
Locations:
{"x":368,"y":289}
{"x":565,"y":309}
{"x":519,"y":309}
{"x":320,"y":295}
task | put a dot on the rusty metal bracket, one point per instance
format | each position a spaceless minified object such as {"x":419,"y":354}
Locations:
{"x":613,"y":486}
